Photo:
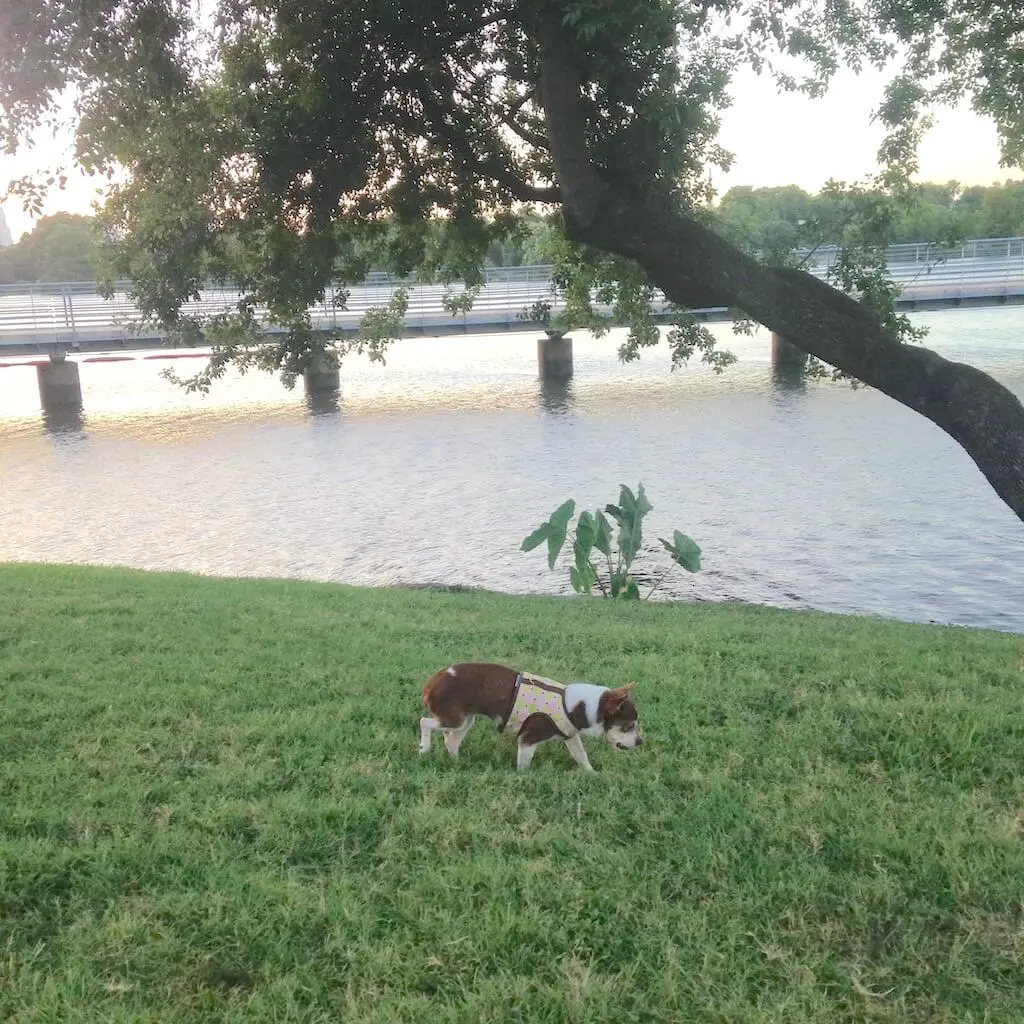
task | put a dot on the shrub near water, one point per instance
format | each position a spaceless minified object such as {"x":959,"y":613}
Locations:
{"x":211,"y":808}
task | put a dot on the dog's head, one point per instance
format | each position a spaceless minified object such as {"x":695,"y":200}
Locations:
{"x":617,"y":713}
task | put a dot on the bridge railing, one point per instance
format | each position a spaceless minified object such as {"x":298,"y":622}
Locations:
{"x":63,"y":311}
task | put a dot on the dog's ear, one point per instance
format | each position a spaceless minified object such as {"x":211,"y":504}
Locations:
{"x":619,"y":696}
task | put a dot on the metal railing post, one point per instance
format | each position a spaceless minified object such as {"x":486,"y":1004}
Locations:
{"x":71,"y":311}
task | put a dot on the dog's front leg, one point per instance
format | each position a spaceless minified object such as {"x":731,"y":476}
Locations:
{"x":579,"y":753}
{"x":427,"y":729}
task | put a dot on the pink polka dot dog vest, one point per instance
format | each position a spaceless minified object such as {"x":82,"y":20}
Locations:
{"x":537,"y":695}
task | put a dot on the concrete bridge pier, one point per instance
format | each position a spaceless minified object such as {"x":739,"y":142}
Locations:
{"x":786,"y":354}
{"x":60,"y":387}
{"x":554,"y":356}
{"x":323,"y":375}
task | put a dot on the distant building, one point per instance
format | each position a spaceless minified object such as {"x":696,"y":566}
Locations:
{"x":5,"y":231}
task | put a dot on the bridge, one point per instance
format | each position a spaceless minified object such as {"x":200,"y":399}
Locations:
{"x":54,"y":320}
{"x":45,"y":318}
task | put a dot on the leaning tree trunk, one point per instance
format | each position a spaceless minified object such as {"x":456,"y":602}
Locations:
{"x":694,"y":267}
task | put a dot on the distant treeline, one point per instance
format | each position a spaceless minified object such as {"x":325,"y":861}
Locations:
{"x":771,"y":218}
{"x":60,"y":248}
{"x":778,"y":218}
{"x":63,"y":247}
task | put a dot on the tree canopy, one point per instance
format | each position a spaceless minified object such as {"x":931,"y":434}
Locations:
{"x":285,"y":143}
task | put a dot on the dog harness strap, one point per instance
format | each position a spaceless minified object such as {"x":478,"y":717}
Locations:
{"x":537,"y":695}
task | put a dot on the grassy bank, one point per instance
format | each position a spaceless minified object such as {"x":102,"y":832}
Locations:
{"x":211,"y":808}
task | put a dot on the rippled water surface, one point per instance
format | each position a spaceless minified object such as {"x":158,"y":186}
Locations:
{"x":433,"y":469}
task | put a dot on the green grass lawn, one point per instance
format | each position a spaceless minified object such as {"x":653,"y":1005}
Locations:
{"x":212,"y":808}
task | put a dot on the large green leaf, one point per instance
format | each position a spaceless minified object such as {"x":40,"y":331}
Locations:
{"x":561,"y":516}
{"x":632,"y":509}
{"x":576,"y":580}
{"x":643,"y":506}
{"x":632,"y":504}
{"x":627,"y":500}
{"x":629,"y":540}
{"x":559,"y":524}
{"x":586,"y":536}
{"x":683,"y":550}
{"x":553,"y":531}
{"x":555,"y":542}
{"x":536,"y":538}
{"x":603,"y":541}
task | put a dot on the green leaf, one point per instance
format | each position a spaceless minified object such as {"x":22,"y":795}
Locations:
{"x":634,"y":505}
{"x":536,"y":538}
{"x":558,"y":526}
{"x":615,"y":512}
{"x":561,"y":516}
{"x":632,"y":509}
{"x":586,"y":536}
{"x":618,"y":583}
{"x":627,"y":500}
{"x":684,"y":550}
{"x":576,"y":579}
{"x":643,"y":506}
{"x":553,"y":531}
{"x":555,"y":542}
{"x":629,"y":541}
{"x":631,"y":591}
{"x":603,"y":541}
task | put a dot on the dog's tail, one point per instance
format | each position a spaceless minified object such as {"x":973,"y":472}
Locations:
{"x":428,"y":688}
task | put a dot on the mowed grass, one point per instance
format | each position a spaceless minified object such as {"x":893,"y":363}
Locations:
{"x":212,"y":808}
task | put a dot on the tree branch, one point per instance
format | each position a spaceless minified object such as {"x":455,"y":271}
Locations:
{"x":521,"y":102}
{"x":529,"y":137}
{"x":509,"y":119}
{"x":694,"y":267}
{"x":488,"y":164}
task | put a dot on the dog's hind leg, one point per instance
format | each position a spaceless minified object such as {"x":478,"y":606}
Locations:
{"x":524,"y":755}
{"x":536,"y":730}
{"x":453,"y":737}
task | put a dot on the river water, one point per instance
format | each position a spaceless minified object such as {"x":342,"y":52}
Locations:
{"x":433,"y":468}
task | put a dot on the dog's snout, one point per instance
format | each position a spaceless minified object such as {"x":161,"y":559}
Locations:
{"x":639,"y":741}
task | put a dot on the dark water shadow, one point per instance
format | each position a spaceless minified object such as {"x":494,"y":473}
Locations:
{"x":64,"y":420}
{"x":555,"y":396}
{"x":326,"y":402}
{"x":790,"y":377}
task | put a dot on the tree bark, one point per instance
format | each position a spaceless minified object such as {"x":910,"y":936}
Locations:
{"x":694,"y":267}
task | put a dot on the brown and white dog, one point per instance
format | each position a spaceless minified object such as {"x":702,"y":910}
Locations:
{"x":529,"y":707}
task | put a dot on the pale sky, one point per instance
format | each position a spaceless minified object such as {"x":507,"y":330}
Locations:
{"x":791,"y":140}
{"x":777,"y":140}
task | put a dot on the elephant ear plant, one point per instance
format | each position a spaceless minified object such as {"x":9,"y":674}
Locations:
{"x":593,"y":536}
